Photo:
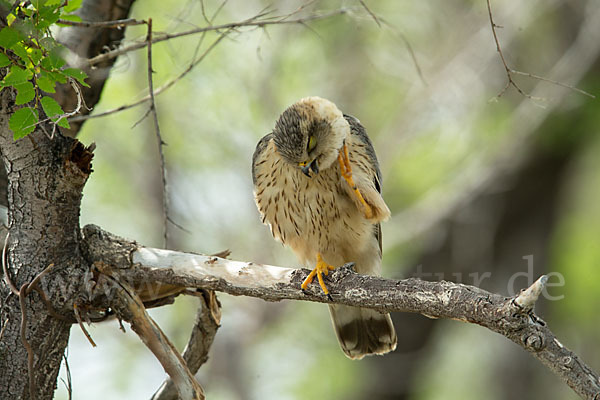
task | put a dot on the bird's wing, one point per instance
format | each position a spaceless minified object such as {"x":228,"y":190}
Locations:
{"x":261,"y":146}
{"x":365,"y":170}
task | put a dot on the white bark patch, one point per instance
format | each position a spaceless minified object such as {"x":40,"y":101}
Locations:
{"x":237,"y":273}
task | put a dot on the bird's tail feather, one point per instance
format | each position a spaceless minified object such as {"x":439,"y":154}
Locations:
{"x":362,"y":331}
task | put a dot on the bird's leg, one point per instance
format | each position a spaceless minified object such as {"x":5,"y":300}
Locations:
{"x":346,"y":170}
{"x":321,"y":268}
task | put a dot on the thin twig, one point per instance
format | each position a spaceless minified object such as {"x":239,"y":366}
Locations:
{"x":80,"y":322}
{"x":409,"y":47}
{"x":195,"y":62}
{"x":509,"y":71}
{"x":178,"y":225}
{"x":204,"y":13}
{"x":80,"y":103}
{"x":256,"y":21}
{"x":217,"y":11}
{"x":370,"y":13}
{"x":541,"y":78}
{"x":161,"y":143}
{"x":120,"y":23}
{"x":68,"y":383}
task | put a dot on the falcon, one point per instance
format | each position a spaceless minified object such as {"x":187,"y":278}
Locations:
{"x":317,"y":185}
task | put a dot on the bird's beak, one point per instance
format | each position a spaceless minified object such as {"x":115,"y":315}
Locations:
{"x":307,"y":166}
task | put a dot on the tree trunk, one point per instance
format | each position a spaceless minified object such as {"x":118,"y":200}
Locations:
{"x":45,"y":181}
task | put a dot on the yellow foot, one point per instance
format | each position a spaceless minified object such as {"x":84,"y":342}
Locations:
{"x":346,"y":169}
{"x":321,"y":268}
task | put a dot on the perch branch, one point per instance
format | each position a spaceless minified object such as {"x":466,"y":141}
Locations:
{"x":511,"y":317}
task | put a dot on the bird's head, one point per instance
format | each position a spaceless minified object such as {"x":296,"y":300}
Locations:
{"x":310,"y":133}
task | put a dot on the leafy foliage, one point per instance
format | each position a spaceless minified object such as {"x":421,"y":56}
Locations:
{"x":35,"y":61}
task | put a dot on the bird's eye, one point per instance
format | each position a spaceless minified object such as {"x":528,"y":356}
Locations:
{"x":312,"y":143}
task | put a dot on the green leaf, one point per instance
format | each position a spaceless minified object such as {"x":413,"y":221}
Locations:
{"x":21,"y":51}
{"x":48,"y":16}
{"x":25,"y":93}
{"x":35,"y":55}
{"x":46,"y":83}
{"x":23,"y":121}
{"x":58,"y":76}
{"x":53,"y":110}
{"x":70,"y":17}
{"x":48,"y":43}
{"x":38,"y":3}
{"x":4,"y":60}
{"x":25,"y":28}
{"x":51,"y":107}
{"x":77,"y":74}
{"x":17,"y":76}
{"x":9,"y":37}
{"x":53,"y":2}
{"x":53,"y":60}
{"x":72,"y":5}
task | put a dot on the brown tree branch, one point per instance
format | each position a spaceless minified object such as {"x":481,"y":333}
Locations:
{"x":260,"y":20}
{"x":509,"y":71}
{"x":512,"y":317}
{"x":195,"y":353}
{"x":159,"y":90}
{"x":129,"y":306}
{"x":159,"y":140}
{"x":118,"y":24}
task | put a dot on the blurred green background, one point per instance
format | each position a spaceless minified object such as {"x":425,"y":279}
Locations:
{"x":483,"y":190}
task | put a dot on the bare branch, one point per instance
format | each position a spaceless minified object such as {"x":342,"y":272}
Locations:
{"x":103,"y":24}
{"x":160,"y":89}
{"x":81,"y":326}
{"x":257,"y":21}
{"x":442,"y":299}
{"x":368,"y":10}
{"x":510,"y":71}
{"x":160,"y":142}
{"x":68,"y":384}
{"x":130,"y":307}
{"x":195,"y":353}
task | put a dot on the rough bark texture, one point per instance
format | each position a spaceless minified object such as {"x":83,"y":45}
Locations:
{"x":42,"y":191}
{"x":144,"y":267}
{"x":46,"y":178}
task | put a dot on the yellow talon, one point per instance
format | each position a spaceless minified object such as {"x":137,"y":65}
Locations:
{"x":321,"y":268}
{"x":346,"y":170}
